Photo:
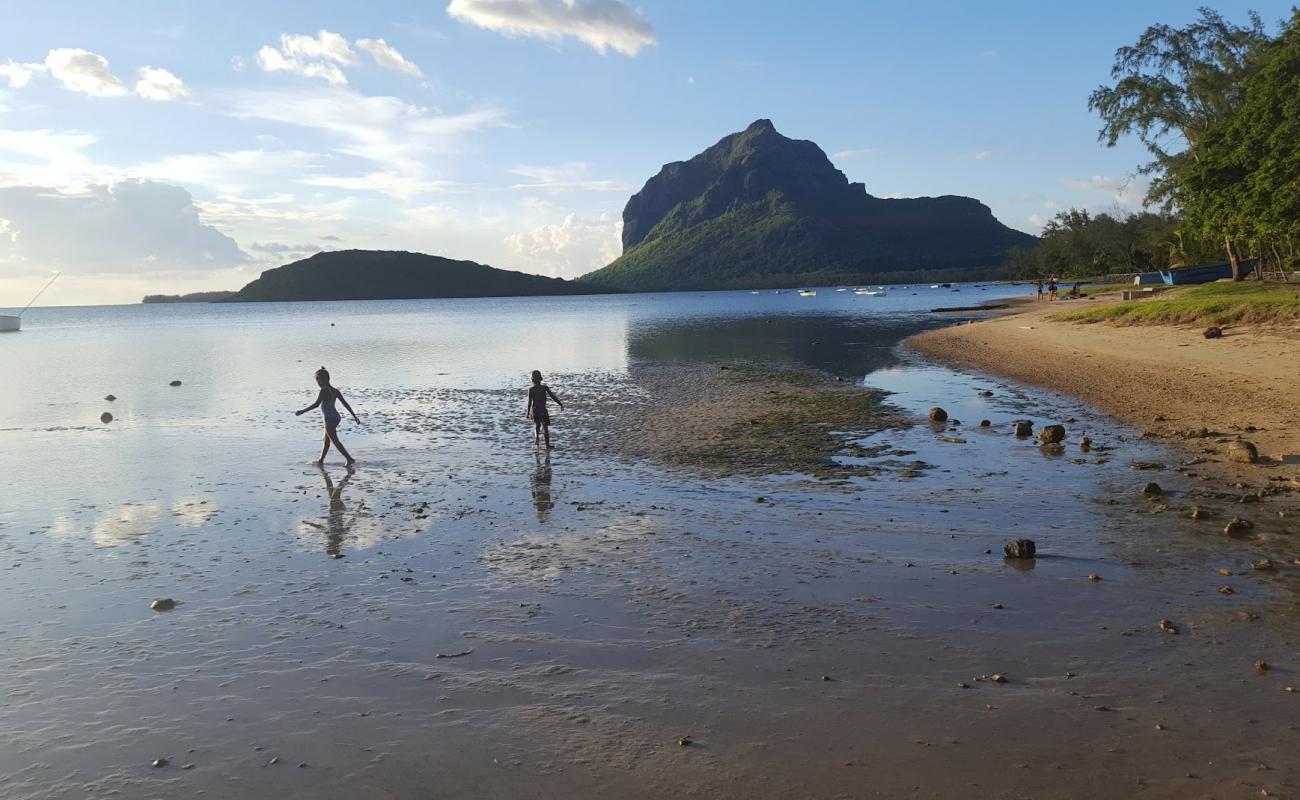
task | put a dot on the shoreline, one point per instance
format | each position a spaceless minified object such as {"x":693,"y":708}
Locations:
{"x":1200,"y":396}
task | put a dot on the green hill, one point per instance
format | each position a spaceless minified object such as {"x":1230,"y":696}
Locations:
{"x":397,"y":275}
{"x":759,"y":209}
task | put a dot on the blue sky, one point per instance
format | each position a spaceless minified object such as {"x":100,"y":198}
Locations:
{"x":167,"y":147}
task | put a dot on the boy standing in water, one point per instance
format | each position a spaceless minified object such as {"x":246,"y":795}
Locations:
{"x":537,"y":410}
{"x":326,"y":399}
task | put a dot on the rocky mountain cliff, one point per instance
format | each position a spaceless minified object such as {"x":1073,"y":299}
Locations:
{"x":759,"y":209}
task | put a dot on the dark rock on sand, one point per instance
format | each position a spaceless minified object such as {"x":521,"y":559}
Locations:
{"x":1243,"y":452}
{"x":1052,"y":433}
{"x":1238,"y":527}
{"x":1199,"y":512}
{"x":938,"y":415}
{"x":1152,"y":489}
{"x":106,"y":418}
{"x":1023,"y":427}
{"x":1020,"y":548}
{"x":1167,"y":626}
{"x":110,"y":398}
{"x":1213,"y":332}
{"x":985,"y":423}
{"x":174,"y":383}
{"x":163,"y":604}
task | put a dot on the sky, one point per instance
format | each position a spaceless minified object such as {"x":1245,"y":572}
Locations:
{"x":163,"y":147}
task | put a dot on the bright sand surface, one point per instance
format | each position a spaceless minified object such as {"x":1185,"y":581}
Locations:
{"x":1166,"y":379}
{"x":465,"y":617}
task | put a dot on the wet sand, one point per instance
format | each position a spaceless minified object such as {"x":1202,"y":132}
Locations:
{"x":467,"y":617}
{"x":594,"y":625}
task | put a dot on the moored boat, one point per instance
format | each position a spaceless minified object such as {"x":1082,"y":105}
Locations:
{"x":807,"y":292}
{"x":10,"y":322}
{"x":1204,"y":273}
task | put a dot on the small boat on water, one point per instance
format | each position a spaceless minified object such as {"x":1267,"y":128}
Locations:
{"x":868,"y":292}
{"x":807,"y":292}
{"x":934,"y":286}
{"x":1204,"y":273}
{"x":11,"y":323}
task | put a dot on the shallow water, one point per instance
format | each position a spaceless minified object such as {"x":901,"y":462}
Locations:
{"x":590,"y":612}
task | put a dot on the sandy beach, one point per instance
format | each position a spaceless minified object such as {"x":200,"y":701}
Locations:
{"x":1169,"y":381}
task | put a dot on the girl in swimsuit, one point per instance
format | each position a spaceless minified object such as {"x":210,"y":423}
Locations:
{"x":537,"y":410}
{"x":326,"y":399}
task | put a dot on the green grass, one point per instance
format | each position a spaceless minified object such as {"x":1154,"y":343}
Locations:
{"x":1211,"y":303}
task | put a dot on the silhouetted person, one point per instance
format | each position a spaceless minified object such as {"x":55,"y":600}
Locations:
{"x":541,"y":416}
{"x":326,"y":399}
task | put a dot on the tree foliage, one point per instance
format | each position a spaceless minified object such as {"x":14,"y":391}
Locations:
{"x":1077,"y":242}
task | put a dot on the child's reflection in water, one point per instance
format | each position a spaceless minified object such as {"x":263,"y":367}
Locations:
{"x":542,"y":487}
{"x":337,"y":525}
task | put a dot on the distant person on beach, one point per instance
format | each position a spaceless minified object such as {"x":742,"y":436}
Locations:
{"x":1038,"y":285}
{"x":537,"y":410}
{"x":326,"y":399}
{"x":1051,"y":288}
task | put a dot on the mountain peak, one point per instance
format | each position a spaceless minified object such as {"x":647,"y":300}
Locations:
{"x":761,"y":126}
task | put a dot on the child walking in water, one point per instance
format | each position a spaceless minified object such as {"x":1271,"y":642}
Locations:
{"x":537,"y":409}
{"x":326,"y":399}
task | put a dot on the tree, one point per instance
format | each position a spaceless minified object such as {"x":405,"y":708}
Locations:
{"x":1246,"y":182}
{"x":1172,"y":88}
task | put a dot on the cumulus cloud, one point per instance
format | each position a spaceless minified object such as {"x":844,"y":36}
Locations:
{"x":83,"y":71}
{"x":46,"y":157}
{"x":570,"y":248}
{"x":19,"y":75}
{"x":324,"y":56}
{"x":571,"y":177}
{"x":232,"y":171}
{"x":126,"y":227}
{"x":601,"y":24}
{"x":158,"y":84}
{"x":387,"y":56}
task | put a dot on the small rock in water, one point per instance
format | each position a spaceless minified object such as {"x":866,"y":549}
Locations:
{"x":163,"y":604}
{"x":174,"y":383}
{"x":1262,"y":666}
{"x":1238,"y":526}
{"x":1167,"y":626}
{"x":1263,"y":565}
{"x":938,"y":415}
{"x":1243,"y":452}
{"x":1226,"y":589}
{"x":1094,"y":577}
{"x":998,"y":677}
{"x":1152,"y":489}
{"x":106,"y":418}
{"x":1201,"y":513}
{"x":1052,"y":433}
{"x":985,"y":423}
{"x":685,"y":741}
{"x":760,"y":499}
{"x":1084,"y":443}
{"x":986,"y":393}
{"x":1213,"y":332}
{"x":1020,"y":548}
{"x":159,"y":763}
{"x":110,"y":398}
{"x":1023,"y":427}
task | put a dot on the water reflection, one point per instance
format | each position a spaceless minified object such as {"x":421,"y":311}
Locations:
{"x":336,"y":524}
{"x":541,"y":487}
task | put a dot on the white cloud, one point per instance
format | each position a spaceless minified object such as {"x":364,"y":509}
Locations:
{"x":1037,"y":221}
{"x":158,"y":84}
{"x":318,"y":56}
{"x":83,"y":71}
{"x":602,"y":24}
{"x":47,"y":157}
{"x":398,"y":185}
{"x":570,"y":248}
{"x":387,"y":56}
{"x":983,"y":154}
{"x":19,"y":75}
{"x":570,"y":177}
{"x":989,"y":54}
{"x":855,"y":153}
{"x":232,"y":171}
{"x":126,"y":227}
{"x":382,"y":129}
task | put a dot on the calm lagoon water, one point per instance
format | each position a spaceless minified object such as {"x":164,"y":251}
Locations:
{"x":501,"y":623}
